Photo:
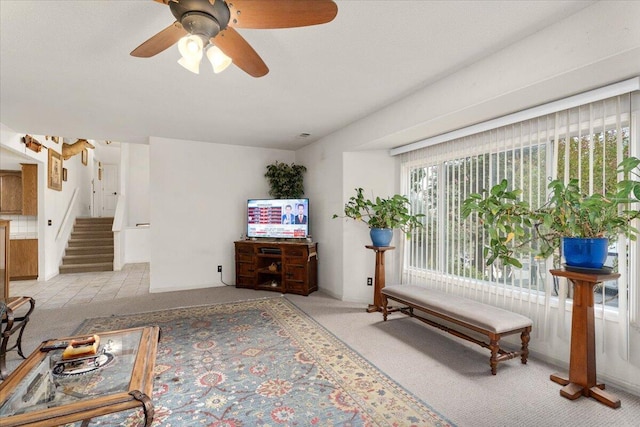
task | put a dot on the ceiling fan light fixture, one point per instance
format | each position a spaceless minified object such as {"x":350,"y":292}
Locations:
{"x":219,"y":61}
{"x":193,"y":66}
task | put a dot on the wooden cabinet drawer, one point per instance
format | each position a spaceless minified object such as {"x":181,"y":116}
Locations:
{"x":296,"y":287}
{"x":300,"y":252}
{"x":246,"y":269}
{"x":295,"y":272}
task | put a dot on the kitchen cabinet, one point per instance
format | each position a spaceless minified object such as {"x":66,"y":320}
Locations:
{"x":23,"y":263}
{"x":11,"y":192}
{"x":19,"y":191}
{"x":29,"y":189}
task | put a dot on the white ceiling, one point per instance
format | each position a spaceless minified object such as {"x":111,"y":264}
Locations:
{"x":66,"y":70}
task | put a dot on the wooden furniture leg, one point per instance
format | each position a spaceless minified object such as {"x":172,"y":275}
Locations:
{"x":582,"y":364}
{"x":379,"y":280}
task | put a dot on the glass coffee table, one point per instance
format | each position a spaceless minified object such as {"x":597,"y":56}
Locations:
{"x":43,"y":391}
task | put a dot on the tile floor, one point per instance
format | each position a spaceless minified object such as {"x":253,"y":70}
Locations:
{"x":65,"y":290}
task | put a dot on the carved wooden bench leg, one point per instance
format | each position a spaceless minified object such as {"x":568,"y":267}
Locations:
{"x":524,"y":337}
{"x":494,"y":347}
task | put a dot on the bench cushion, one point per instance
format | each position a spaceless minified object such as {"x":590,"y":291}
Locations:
{"x":483,"y":316}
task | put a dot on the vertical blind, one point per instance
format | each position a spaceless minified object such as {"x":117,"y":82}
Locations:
{"x":585,"y":142}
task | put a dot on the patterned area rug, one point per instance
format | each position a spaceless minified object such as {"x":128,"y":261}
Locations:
{"x":262,"y":363}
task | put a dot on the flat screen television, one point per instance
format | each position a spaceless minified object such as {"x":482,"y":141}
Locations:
{"x":278,"y":218}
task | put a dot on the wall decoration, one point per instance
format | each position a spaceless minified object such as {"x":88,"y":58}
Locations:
{"x":64,"y":174}
{"x":70,"y":150}
{"x":54,"y":170}
{"x":32,"y":143}
{"x":85,"y":156}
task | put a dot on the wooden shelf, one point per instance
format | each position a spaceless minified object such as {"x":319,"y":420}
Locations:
{"x":267,"y":271}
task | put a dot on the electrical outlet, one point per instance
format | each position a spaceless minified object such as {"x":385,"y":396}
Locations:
{"x":219,"y":269}
{"x":369,"y":281}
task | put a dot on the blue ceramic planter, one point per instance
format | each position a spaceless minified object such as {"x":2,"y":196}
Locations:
{"x":381,"y":236}
{"x":586,"y":253}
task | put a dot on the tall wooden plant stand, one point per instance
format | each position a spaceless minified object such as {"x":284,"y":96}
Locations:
{"x":379,"y":277}
{"x":582,"y":364}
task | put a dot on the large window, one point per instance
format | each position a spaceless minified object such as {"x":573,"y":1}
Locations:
{"x":586,"y":142}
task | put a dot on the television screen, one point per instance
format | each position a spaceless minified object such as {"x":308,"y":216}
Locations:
{"x":278,"y":218}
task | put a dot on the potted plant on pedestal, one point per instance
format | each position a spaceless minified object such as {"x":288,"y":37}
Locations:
{"x":580,"y":225}
{"x":382,"y":215}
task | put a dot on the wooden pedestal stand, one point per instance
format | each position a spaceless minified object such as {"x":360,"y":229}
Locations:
{"x":582,"y":365}
{"x":379,"y":277}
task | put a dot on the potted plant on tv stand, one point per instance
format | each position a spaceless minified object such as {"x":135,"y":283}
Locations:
{"x":578,"y":224}
{"x":382,"y":216}
{"x":286,"y":181}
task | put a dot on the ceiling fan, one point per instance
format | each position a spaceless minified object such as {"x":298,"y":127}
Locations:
{"x":210,"y":25}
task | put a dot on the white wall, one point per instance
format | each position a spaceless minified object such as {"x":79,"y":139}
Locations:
{"x":137,"y":184}
{"x":359,"y":262}
{"x":137,"y":246}
{"x":135,"y":243}
{"x":323,"y":186}
{"x":198,"y":194}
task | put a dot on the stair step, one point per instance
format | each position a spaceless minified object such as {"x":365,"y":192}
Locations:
{"x":105,"y":220}
{"x":89,"y":250}
{"x":90,"y":242}
{"x":87,"y":258}
{"x":91,"y":234}
{"x":84,"y":268}
{"x":92,"y":227}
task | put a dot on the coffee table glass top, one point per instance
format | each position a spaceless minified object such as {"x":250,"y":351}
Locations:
{"x":53,"y":382}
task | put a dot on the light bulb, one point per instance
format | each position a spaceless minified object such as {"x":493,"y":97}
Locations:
{"x":190,"y":47}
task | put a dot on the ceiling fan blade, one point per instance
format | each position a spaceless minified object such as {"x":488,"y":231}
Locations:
{"x":161,"y":41}
{"x":240,"y":51}
{"x":280,"y":13}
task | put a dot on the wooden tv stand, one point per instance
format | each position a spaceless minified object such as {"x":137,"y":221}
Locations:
{"x":281,"y":266}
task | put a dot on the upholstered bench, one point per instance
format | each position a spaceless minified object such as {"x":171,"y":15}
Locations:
{"x":485,"y":319}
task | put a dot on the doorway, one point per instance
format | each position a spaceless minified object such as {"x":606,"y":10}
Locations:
{"x":105,"y":185}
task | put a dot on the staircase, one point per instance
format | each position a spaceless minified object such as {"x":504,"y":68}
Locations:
{"x":90,"y":247}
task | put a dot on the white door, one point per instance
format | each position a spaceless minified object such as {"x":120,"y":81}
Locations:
{"x":96,"y":191}
{"x":110,"y":188}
